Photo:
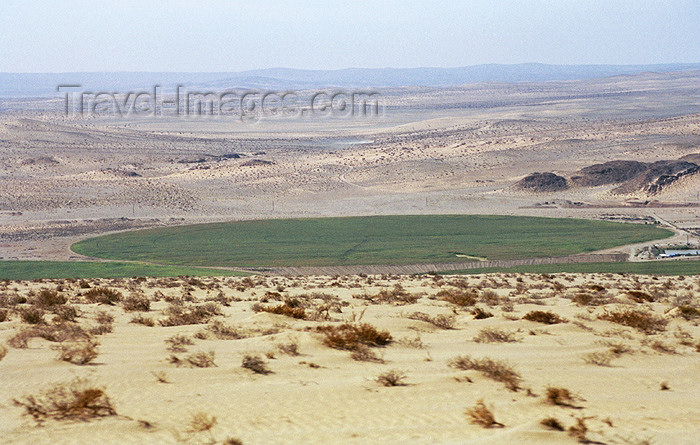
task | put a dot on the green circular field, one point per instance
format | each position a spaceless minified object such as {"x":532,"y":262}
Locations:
{"x":405,"y":239}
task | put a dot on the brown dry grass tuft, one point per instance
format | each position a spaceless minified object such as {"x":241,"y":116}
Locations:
{"x":255,"y":364}
{"x":493,"y":369}
{"x":282,"y":309}
{"x":75,"y":400}
{"x":545,"y":317}
{"x":552,"y":423}
{"x":78,"y":353}
{"x":103,"y":295}
{"x":560,"y":397}
{"x":495,"y":335}
{"x":439,"y":321}
{"x":642,"y":321}
{"x":350,"y":336}
{"x":391,"y":378}
{"x":480,"y":414}
{"x":458,"y":297}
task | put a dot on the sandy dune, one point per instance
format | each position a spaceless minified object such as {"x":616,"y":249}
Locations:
{"x":643,"y":389}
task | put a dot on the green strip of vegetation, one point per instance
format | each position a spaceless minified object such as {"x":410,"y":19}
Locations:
{"x":642,"y":268}
{"x":32,"y":270}
{"x":403,"y":239}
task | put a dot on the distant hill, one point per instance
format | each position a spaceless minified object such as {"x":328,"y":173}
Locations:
{"x":44,"y":84}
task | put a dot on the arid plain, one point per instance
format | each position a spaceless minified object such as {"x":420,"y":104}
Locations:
{"x":562,"y":358}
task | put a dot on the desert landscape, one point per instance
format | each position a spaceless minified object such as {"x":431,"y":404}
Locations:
{"x":386,"y":222}
{"x":495,"y":358}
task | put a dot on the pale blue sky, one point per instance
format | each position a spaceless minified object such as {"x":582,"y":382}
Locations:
{"x":220,"y":35}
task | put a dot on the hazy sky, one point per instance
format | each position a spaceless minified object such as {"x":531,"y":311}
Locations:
{"x":219,"y":35}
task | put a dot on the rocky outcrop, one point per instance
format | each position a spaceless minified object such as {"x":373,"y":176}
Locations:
{"x":542,"y":182}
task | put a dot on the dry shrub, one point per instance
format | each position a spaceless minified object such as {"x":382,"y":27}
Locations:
{"x":439,"y":321}
{"x":140,"y":319}
{"x":458,"y":297}
{"x":282,"y":309}
{"x":136,"y":304}
{"x":495,"y":335}
{"x":580,"y":430}
{"x":222,"y":331}
{"x":201,"y":422}
{"x":642,"y":321}
{"x":3,"y":315}
{"x":3,"y":351}
{"x":586,"y":299}
{"x":545,"y":317}
{"x":255,"y":364}
{"x":639,"y":296}
{"x":350,"y":336}
{"x":396,"y":295}
{"x":365,"y":354}
{"x":493,"y":369}
{"x":48,"y":298}
{"x":552,"y":423}
{"x":161,"y":376}
{"x":176,"y":315}
{"x":600,"y":358}
{"x":65,"y":312}
{"x":57,"y":332}
{"x":103,"y":295}
{"x":480,"y":314}
{"x":177,"y":343}
{"x":480,"y":414}
{"x":663,"y":348}
{"x":195,"y":360}
{"x":75,"y":400}
{"x":560,"y":397}
{"x":490,"y":298}
{"x":289,"y":348}
{"x":78,"y":353}
{"x":391,"y":378}
{"x":689,"y":312}
{"x":31,"y":315}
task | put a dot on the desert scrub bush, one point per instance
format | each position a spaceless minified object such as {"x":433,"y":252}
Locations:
{"x":57,"y":332}
{"x":3,"y":351}
{"x":3,"y":315}
{"x":490,"y":298}
{"x":282,"y":309}
{"x":496,"y":370}
{"x":349,"y":336}
{"x":580,"y":430}
{"x":600,"y":358}
{"x":560,"y":397}
{"x":642,"y":321}
{"x":102,"y":295}
{"x":290,"y":348}
{"x":439,"y":321}
{"x":65,"y":312}
{"x":136,"y":303}
{"x":222,"y":331}
{"x":481,"y":415}
{"x":391,"y":378}
{"x":458,"y":297}
{"x":195,"y":360}
{"x":78,"y":353}
{"x":552,"y":423}
{"x":177,"y":343}
{"x":396,"y":295}
{"x":256,"y":364}
{"x":640,"y":296}
{"x":688,"y":312}
{"x":545,"y":317}
{"x":495,"y":335}
{"x":47,"y":298}
{"x":481,"y":314}
{"x":140,"y":319}
{"x":31,"y":315}
{"x":365,"y":354}
{"x":78,"y":399}
{"x":178,"y":315}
